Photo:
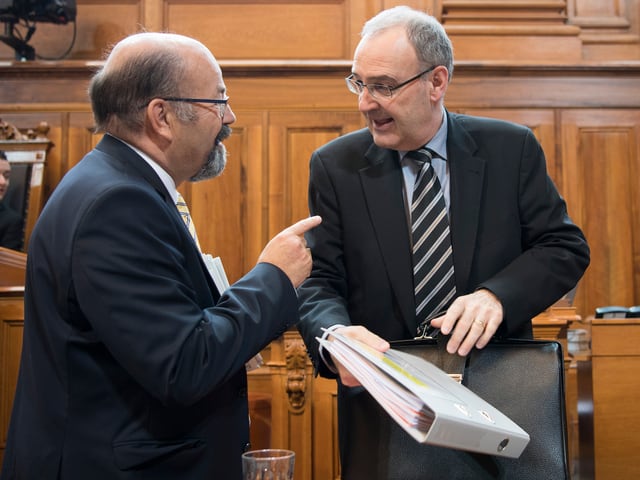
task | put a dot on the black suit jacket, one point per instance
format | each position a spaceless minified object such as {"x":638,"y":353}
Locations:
{"x":10,"y":228}
{"x":133,"y":364}
{"x":509,"y":229}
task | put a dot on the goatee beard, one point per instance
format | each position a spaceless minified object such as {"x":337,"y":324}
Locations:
{"x":217,"y":158}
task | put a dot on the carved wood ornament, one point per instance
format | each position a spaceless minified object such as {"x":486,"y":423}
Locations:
{"x":296,"y":361}
{"x":11,"y":132}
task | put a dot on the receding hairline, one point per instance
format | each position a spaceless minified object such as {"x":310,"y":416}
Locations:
{"x":150,"y":43}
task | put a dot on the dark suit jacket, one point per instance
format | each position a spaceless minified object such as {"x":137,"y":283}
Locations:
{"x":10,"y":228}
{"x":133,"y":364}
{"x":509,"y":229}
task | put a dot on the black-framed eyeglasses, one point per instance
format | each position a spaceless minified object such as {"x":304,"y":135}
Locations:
{"x":220,"y":103}
{"x":380,"y":90}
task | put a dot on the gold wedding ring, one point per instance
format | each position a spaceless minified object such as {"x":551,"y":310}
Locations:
{"x":479,"y":322}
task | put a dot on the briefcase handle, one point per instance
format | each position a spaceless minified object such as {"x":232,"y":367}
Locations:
{"x":433,"y":349}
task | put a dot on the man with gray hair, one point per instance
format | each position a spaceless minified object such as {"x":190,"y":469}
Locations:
{"x":431,"y":220}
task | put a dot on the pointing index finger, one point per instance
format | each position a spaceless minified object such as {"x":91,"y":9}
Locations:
{"x":304,"y":225}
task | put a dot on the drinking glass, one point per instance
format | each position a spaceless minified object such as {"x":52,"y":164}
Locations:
{"x":268,"y":464}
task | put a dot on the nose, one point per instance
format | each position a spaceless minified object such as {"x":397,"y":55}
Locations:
{"x":366,"y":101}
{"x":229,"y":117}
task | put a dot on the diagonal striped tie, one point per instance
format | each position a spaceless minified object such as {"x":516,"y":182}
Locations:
{"x":186,"y":217}
{"x":433,"y":278}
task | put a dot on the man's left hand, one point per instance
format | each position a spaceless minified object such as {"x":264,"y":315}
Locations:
{"x":472,"y":320}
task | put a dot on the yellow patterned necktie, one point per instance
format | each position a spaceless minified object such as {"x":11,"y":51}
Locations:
{"x":183,"y":209}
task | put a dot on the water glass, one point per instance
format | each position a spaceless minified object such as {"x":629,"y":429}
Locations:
{"x":268,"y":464}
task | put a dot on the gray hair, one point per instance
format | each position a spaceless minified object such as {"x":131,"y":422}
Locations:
{"x":119,"y":93}
{"x":426,"y":34}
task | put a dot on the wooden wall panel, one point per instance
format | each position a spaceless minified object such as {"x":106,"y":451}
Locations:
{"x":53,"y":93}
{"x":80,"y":138}
{"x":99,"y":24}
{"x":246,"y":29}
{"x":510,"y":12}
{"x":292,"y":138}
{"x":275,"y":88}
{"x":326,"y":454}
{"x":11,"y":315}
{"x":608,"y":28}
{"x":103,"y":23}
{"x":541,"y":122}
{"x":284,"y":29}
{"x":513,"y":31}
{"x":490,"y":86}
{"x":227,"y":210}
{"x":292,"y":381}
{"x":539,"y":31}
{"x":601,"y":155}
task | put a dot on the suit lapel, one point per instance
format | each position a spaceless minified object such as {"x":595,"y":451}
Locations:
{"x":467,"y":174}
{"x":383,"y":191}
{"x":119,"y":151}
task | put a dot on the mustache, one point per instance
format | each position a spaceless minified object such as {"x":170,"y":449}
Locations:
{"x":225,"y":132}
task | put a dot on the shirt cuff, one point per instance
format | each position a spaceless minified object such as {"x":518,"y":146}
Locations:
{"x":328,"y":361}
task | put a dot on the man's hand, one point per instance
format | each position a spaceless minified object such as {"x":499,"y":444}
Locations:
{"x":288,"y":250}
{"x":473,"y":319}
{"x":365,"y":336}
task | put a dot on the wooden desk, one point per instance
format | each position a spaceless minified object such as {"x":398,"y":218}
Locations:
{"x":12,"y":271}
{"x":553,"y":323}
{"x":615,"y":362}
{"x":11,"y":321}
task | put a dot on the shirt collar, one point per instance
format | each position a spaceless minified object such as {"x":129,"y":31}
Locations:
{"x":165,"y":178}
{"x":438,"y":143}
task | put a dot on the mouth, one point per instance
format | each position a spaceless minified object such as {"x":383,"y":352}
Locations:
{"x":381,"y":123}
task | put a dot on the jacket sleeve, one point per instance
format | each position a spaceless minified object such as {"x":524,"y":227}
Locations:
{"x":141,"y":285}
{"x":323,"y":295}
{"x":554,"y":252}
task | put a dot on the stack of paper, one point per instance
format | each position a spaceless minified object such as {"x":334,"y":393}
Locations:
{"x":216,"y":270}
{"x":431,"y":406}
{"x":219,"y":276}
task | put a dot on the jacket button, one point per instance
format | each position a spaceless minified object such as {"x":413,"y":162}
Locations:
{"x":242,"y":392}
{"x":247,"y":447}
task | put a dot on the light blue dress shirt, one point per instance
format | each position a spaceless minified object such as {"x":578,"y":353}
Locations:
{"x":440,"y":165}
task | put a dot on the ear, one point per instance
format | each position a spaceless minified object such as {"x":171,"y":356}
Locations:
{"x":160,"y":119}
{"x":439,"y":82}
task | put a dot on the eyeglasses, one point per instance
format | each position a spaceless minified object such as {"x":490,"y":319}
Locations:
{"x":379,"y":90}
{"x":221,"y":104}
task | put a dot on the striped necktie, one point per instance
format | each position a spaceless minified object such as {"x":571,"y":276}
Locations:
{"x":433,"y":278}
{"x":183,"y":209}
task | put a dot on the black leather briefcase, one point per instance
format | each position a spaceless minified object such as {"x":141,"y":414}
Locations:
{"x":522,"y":378}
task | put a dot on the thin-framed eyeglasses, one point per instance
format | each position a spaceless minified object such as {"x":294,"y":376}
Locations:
{"x":220,"y":103}
{"x":380,"y":90}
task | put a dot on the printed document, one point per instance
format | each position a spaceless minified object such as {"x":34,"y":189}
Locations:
{"x":426,"y":402}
